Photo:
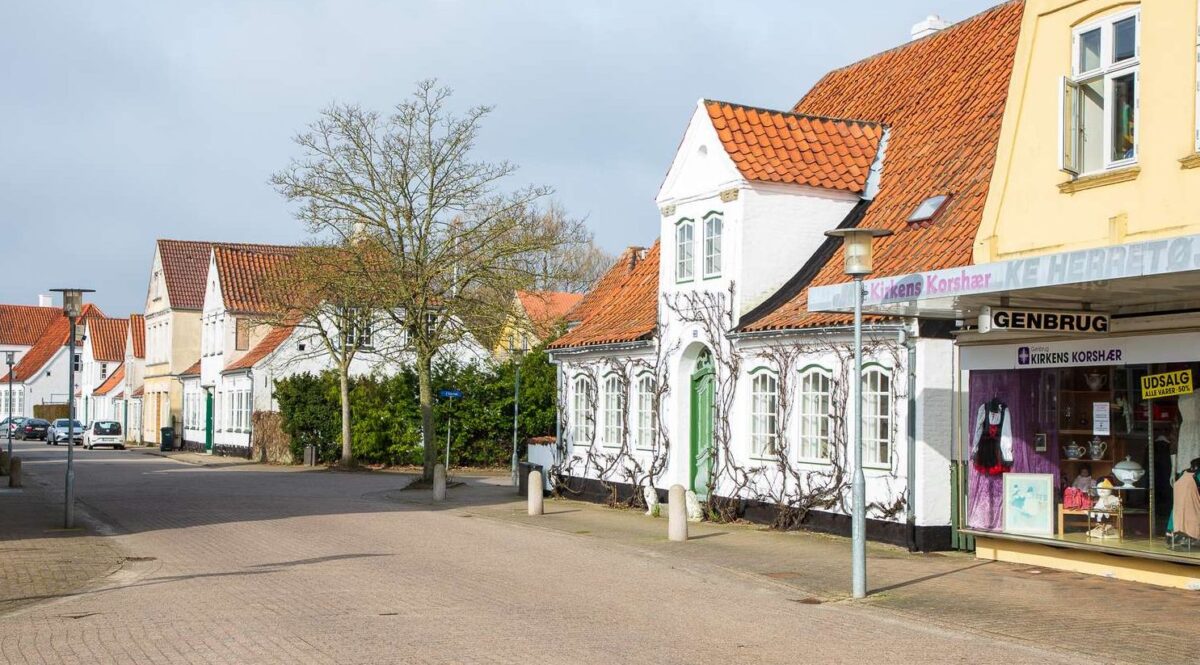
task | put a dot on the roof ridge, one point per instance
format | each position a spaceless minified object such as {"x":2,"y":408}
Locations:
{"x":857,"y":121}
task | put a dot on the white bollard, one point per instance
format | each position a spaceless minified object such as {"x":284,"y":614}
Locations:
{"x":536,"y":504}
{"x":439,"y":482}
{"x":677,"y":523}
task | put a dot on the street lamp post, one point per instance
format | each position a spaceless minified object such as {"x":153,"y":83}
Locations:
{"x":72,"y":308}
{"x":9,"y":357}
{"x":516,"y":355}
{"x":857,"y":249}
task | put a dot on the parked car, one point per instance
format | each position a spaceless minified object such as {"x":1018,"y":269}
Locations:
{"x":14,"y":425}
{"x":32,"y":428}
{"x":103,"y":433}
{"x":57,"y":432}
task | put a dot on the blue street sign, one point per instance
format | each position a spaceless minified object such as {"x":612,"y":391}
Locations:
{"x":450,"y":393}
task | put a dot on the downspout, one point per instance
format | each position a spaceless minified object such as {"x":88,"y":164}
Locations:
{"x":911,"y":421}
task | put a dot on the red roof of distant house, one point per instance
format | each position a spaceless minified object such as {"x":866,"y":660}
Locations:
{"x":108,"y":338}
{"x":194,"y":370}
{"x":775,"y":146}
{"x":624,"y":305}
{"x":277,"y":336}
{"x":244,"y":272}
{"x":137,"y":329}
{"x":546,"y":310}
{"x":113,"y":381}
{"x":54,"y":338}
{"x":185,"y":268}
{"x":139,"y":391}
{"x":23,"y":325}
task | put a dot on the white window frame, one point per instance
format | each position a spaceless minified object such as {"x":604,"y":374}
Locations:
{"x":714,"y":228}
{"x":582,"y":427}
{"x":814,"y":411}
{"x":685,"y":251}
{"x":613,"y":410}
{"x":647,"y":416}
{"x":878,"y":417}
{"x":1070,"y":94}
{"x":764,"y":416}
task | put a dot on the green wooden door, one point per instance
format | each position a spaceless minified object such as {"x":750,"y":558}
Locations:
{"x":702,"y":454}
{"x":208,"y":420}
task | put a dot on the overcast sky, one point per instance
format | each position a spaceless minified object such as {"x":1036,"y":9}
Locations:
{"x":124,"y":122}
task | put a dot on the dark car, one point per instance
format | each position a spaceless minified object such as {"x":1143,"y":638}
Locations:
{"x":58,"y":431}
{"x":32,"y":428}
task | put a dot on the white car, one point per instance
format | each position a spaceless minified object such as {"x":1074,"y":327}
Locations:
{"x":103,"y":433}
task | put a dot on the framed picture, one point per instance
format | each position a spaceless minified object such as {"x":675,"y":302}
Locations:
{"x":1039,"y":442}
{"x":1029,"y":503}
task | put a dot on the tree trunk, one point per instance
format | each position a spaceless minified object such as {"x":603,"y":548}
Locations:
{"x":425,"y":380}
{"x":347,"y":450}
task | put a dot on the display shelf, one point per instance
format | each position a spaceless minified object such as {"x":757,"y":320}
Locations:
{"x":1081,"y":432}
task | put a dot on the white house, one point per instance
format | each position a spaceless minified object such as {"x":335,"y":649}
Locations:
{"x":696,"y":362}
{"x":102,"y":355}
{"x":41,"y":377}
{"x":22,"y":325}
{"x":129,"y":405}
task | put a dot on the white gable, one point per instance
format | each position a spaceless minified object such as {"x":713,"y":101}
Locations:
{"x":214,"y":300}
{"x":156,"y":293}
{"x":701,"y":164}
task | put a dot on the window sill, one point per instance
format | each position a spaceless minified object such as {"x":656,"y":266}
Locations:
{"x":774,"y":459}
{"x":1191,"y":161}
{"x":868,"y":466}
{"x":1100,"y":179}
{"x":817,"y":462}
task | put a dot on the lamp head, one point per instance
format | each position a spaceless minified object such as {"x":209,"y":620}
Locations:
{"x":73,"y":300}
{"x":858,"y":248}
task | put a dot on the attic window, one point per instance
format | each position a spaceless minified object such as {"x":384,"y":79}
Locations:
{"x":928,"y":209}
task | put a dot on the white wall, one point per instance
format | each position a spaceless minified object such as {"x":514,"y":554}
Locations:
{"x":49,"y":385}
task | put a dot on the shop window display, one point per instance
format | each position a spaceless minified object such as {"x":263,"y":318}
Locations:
{"x":1125,"y":471}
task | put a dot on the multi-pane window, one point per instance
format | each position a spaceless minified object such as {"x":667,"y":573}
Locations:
{"x":77,"y":364}
{"x":712,"y":246}
{"x":103,"y":370}
{"x":877,"y":417}
{"x":764,"y":414}
{"x":614,"y":408}
{"x":1100,"y":98}
{"x":581,"y":421}
{"x":685,"y":259}
{"x":815,"y":404}
{"x":647,"y":416}
{"x":359,"y":328}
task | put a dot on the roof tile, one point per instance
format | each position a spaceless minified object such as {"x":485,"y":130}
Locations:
{"x":22,"y":325}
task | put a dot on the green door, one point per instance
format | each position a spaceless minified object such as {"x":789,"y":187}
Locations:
{"x":702,"y":456}
{"x":208,"y":420}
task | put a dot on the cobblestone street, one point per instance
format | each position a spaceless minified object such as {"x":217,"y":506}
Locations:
{"x":244,"y":563}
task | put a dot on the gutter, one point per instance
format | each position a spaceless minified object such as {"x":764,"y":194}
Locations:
{"x":598,"y":348}
{"x":800,"y":332}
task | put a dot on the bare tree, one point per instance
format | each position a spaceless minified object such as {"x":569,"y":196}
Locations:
{"x":444,"y":233}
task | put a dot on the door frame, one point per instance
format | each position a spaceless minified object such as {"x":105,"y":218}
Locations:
{"x":703,"y":378}
{"x":208,"y":421}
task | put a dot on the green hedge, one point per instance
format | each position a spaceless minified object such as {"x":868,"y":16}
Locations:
{"x":386,"y":420}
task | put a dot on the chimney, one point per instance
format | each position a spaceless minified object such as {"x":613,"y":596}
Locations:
{"x":932,"y":23}
{"x":45,"y":300}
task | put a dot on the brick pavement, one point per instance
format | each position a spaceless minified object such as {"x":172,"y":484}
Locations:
{"x":251,"y":564}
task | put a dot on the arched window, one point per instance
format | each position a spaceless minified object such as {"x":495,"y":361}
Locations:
{"x":877,"y":417}
{"x":614,"y":407}
{"x":581,"y":422}
{"x":712,"y":245}
{"x":764,"y":414}
{"x":815,"y":404}
{"x":685,"y":258}
{"x":647,"y":416}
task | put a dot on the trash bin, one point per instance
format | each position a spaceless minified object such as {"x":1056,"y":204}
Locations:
{"x":523,"y":469}
{"x":168,"y":439}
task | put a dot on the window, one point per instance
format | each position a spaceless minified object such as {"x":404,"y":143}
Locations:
{"x":877,"y":417}
{"x":647,"y":416}
{"x":155,"y":286}
{"x":816,"y":401}
{"x":928,"y":209}
{"x":685,"y":264}
{"x":77,"y":365}
{"x":614,"y":408}
{"x":359,"y":328}
{"x":241,"y":335}
{"x":581,"y":422}
{"x":712,"y":246}
{"x":103,"y":370}
{"x":1100,"y":98}
{"x":764,"y":414}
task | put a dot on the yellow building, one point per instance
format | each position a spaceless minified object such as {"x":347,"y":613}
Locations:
{"x":535,"y":317}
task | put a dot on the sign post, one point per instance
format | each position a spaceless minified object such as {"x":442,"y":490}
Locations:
{"x":450,"y":394}
{"x":1166,"y":384}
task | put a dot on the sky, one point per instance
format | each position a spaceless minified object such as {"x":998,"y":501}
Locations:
{"x":124,"y":122}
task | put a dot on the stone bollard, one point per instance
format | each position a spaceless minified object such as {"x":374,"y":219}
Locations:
{"x":14,"y":472}
{"x":439,"y":482}
{"x":677,"y":523}
{"x":536,"y":504}
{"x":3,"y":463}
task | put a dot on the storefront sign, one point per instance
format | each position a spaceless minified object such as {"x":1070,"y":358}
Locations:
{"x":1167,"y":384}
{"x":993,"y":319}
{"x":1123,"y":350}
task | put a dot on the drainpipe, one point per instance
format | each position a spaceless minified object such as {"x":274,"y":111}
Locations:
{"x":558,"y":445}
{"x":911,"y":486}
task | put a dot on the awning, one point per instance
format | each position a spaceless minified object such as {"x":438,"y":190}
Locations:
{"x":1136,"y":278}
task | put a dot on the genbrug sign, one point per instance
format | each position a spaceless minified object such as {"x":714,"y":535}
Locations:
{"x":1154,"y":257}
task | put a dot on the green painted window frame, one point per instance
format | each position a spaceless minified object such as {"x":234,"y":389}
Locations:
{"x":691,"y":248}
{"x":708,"y":218}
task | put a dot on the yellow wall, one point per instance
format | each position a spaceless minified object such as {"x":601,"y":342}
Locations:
{"x":1025,"y":212}
{"x":1134,"y":569}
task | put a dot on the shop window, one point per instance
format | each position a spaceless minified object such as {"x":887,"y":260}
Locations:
{"x":1100,"y":97}
{"x":764,"y":414}
{"x":581,"y":416}
{"x":815,"y":418}
{"x":713,"y":224}
{"x":647,"y":416}
{"x":685,"y":261}
{"x":877,"y":417}
{"x":614,"y":408}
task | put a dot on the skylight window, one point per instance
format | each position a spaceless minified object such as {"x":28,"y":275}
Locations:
{"x":929,"y":208}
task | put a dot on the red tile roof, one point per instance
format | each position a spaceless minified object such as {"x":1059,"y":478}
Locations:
{"x":546,"y":310}
{"x":54,"y":338}
{"x":137,"y":330}
{"x":185,"y":268}
{"x":774,"y":146}
{"x":277,"y":336}
{"x":244,"y":272}
{"x":22,"y":325}
{"x":194,"y":370}
{"x":107,"y":337}
{"x":113,"y":381}
{"x":139,"y":391}
{"x":623,"y":309}
{"x":942,"y":98}
{"x":616,"y":275}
